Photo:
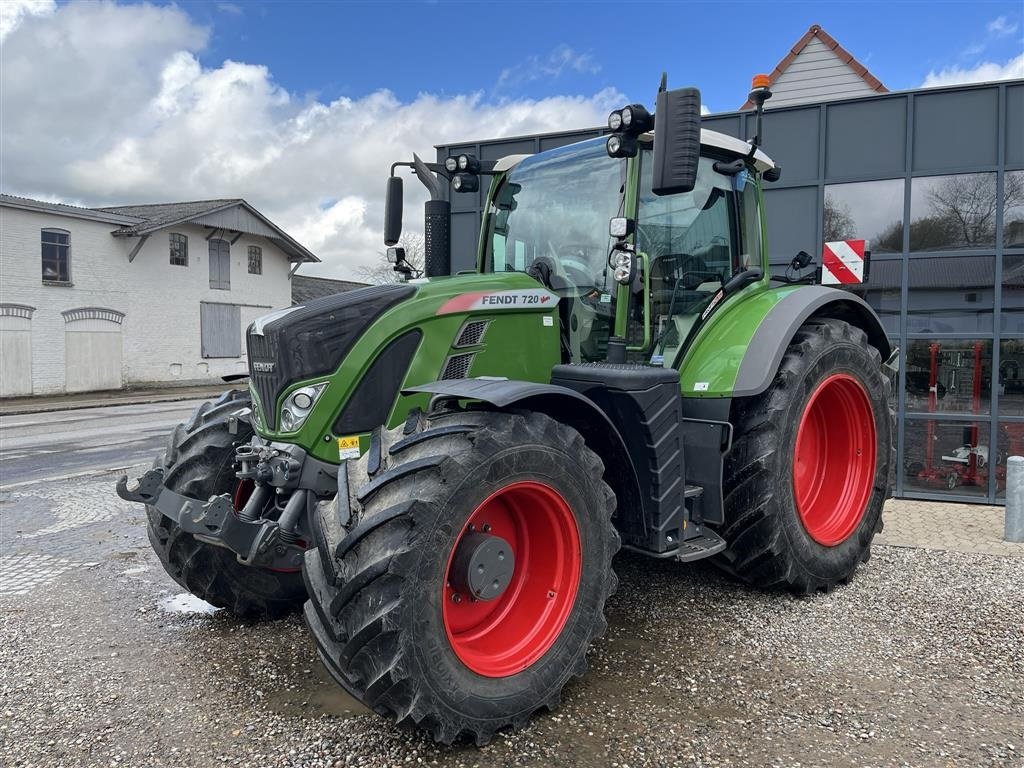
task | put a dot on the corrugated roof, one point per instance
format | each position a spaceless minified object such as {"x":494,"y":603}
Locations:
{"x":816,"y":32}
{"x":78,"y":212}
{"x":305,"y":288}
{"x":158,"y":215}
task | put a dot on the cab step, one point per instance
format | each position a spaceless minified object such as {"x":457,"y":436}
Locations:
{"x":705,"y":544}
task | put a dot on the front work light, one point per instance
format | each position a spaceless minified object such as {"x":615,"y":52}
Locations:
{"x":621,"y":145}
{"x":465,"y":182}
{"x":396,"y":254}
{"x":469,"y":164}
{"x":620,"y":227}
{"x":451,"y":164}
{"x":636,"y":119}
{"x":615,"y":120}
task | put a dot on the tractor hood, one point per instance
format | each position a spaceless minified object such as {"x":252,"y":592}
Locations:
{"x":310,"y":340}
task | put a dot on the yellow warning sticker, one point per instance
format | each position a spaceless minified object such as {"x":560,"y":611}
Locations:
{"x":348,"y":447}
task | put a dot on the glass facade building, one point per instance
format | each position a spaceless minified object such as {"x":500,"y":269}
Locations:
{"x":934,"y":181}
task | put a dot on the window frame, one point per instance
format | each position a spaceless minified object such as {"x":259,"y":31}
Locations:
{"x":170,"y":245}
{"x":67,"y":257}
{"x":257,"y":251}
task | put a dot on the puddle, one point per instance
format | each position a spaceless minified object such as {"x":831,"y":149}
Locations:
{"x":185,"y":604}
{"x":316,"y":694}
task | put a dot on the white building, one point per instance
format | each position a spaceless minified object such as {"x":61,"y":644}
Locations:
{"x":94,"y":299}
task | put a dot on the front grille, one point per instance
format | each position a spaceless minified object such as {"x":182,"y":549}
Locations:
{"x":262,"y":352}
{"x":312,"y":339}
{"x":457,"y":366}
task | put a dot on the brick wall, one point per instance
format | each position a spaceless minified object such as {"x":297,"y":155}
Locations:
{"x":161,"y":327}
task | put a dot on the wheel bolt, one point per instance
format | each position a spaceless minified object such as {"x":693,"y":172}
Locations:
{"x":456,"y":597}
{"x":551,"y":593}
{"x":486,"y":528}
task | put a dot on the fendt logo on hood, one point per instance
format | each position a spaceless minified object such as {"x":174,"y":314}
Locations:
{"x":260,"y":367}
{"x":524,"y":298}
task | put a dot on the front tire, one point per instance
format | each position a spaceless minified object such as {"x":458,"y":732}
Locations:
{"x":200,"y":463}
{"x":810,"y":465}
{"x":395,"y":623}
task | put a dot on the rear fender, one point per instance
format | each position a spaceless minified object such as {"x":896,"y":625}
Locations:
{"x":739,"y":351}
{"x":564,"y":405}
{"x":776,"y":331}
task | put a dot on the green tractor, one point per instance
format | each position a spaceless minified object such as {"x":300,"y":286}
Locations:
{"x":441,"y":471}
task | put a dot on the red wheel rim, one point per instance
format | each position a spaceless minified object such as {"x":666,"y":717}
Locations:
{"x":503,"y":636}
{"x":834,"y":459}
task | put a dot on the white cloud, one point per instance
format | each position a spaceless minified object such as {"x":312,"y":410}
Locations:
{"x":561,"y":59}
{"x":122,"y":111}
{"x":230,"y":8}
{"x":1001,"y":26}
{"x":13,"y":11}
{"x":981,"y":73}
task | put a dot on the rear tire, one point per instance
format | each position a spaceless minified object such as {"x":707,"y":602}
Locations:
{"x":810,"y":465}
{"x":380,"y":581}
{"x":199,"y":462}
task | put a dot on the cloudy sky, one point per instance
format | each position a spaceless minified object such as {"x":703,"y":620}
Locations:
{"x":301,"y":108}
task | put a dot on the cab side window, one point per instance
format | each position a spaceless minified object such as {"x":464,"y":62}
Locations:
{"x":692,"y":243}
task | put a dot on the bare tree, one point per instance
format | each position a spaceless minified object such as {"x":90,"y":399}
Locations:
{"x":837,"y":222}
{"x":383,"y":272}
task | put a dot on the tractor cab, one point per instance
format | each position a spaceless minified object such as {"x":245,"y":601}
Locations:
{"x":548,"y":216}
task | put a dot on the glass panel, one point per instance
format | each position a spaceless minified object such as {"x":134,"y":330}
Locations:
{"x":882,"y":291}
{"x":950,"y":295}
{"x":957,"y":373}
{"x":553,"y":212}
{"x":61,"y":238}
{"x":946,"y":457}
{"x":1013,"y":209}
{"x":869,"y":210}
{"x":1010,"y":439}
{"x":692,"y":242}
{"x":255,"y":260}
{"x":1011,"y":377}
{"x":953,"y":212}
{"x":1011,"y":319}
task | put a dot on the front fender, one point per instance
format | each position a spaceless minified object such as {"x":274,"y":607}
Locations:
{"x":564,"y":405}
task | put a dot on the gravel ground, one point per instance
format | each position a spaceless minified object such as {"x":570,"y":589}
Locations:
{"x":920,"y":662}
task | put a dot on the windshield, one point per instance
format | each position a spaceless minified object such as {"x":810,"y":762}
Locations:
{"x":554,"y":207}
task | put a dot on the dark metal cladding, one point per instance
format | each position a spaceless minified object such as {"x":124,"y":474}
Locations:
{"x":312,"y":339}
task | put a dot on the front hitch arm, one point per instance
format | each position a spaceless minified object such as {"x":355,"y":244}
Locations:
{"x":257,"y":542}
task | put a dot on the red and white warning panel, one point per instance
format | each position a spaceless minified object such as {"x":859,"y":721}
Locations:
{"x":843,"y":262}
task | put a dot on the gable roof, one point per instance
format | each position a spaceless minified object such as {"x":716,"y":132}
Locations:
{"x":230,"y":214}
{"x":306,"y":288}
{"x":819,"y":44}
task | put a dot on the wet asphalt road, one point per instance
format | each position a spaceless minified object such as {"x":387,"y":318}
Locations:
{"x":920,"y":662}
{"x":58,"y":444}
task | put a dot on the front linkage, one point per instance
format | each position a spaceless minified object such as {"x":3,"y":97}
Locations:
{"x":261,"y":532}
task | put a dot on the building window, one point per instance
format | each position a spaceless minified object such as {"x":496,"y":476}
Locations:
{"x":951,"y":295}
{"x":255,"y":260}
{"x":56,"y":252}
{"x":179,"y":250}
{"x":1013,"y":209}
{"x":949,"y":375}
{"x":868,"y":210}
{"x":948,"y":212}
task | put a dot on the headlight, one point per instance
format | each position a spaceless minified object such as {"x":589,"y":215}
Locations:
{"x":615,"y":120}
{"x":465,"y":182}
{"x":622,"y":259}
{"x":627,"y":117}
{"x":621,"y":145}
{"x":621,"y":274}
{"x":451,"y":164}
{"x":298,"y":406}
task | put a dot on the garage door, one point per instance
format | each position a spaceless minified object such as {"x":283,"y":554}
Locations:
{"x":92,"y":349}
{"x":15,"y":350}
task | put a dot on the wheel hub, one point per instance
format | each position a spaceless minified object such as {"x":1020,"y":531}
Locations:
{"x":482,"y":566}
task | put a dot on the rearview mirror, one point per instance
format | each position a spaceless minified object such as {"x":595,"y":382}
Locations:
{"x":393,"y":211}
{"x":676,"y":141}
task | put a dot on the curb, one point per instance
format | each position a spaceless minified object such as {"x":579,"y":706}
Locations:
{"x":52,"y":405}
